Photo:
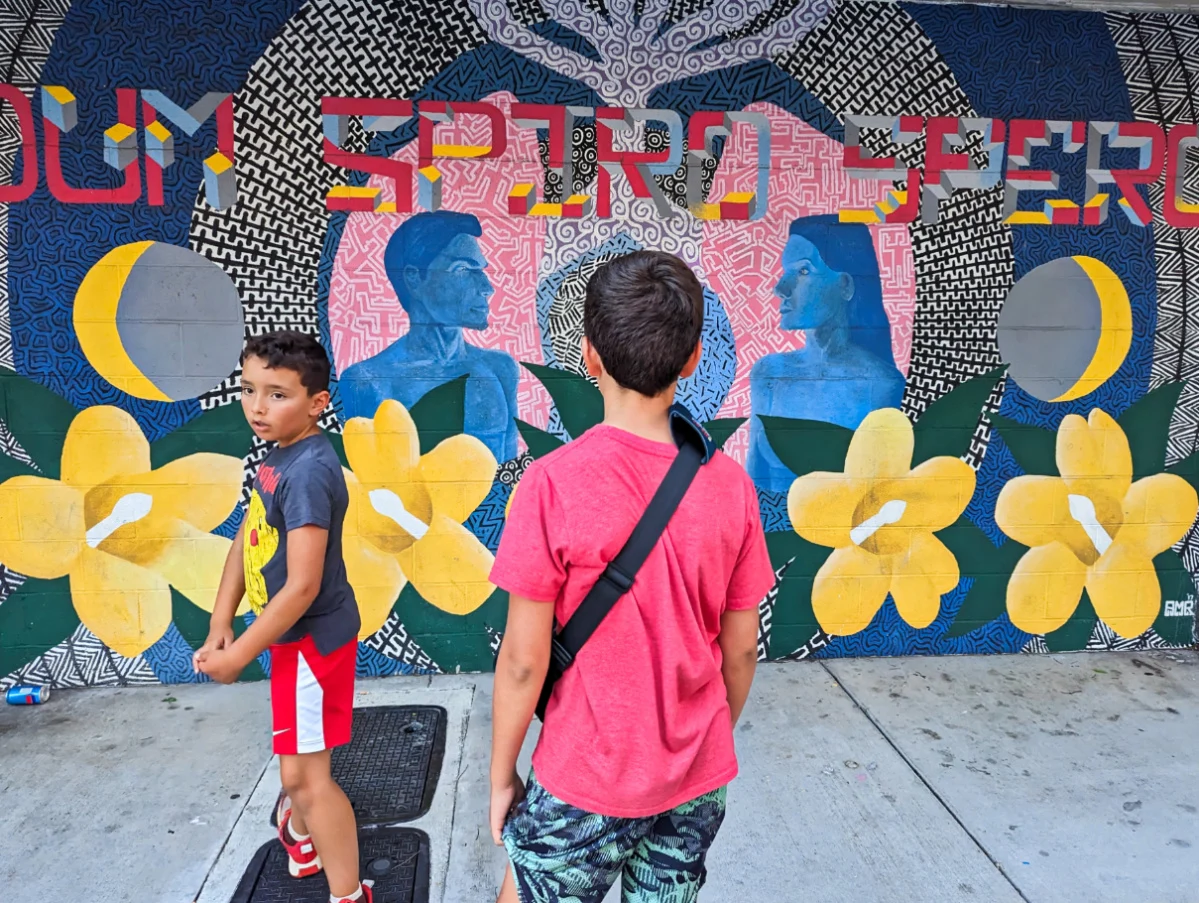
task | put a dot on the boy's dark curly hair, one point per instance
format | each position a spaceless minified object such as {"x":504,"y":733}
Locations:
{"x":291,"y":350}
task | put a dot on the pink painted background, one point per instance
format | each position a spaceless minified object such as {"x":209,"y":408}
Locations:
{"x":739,"y":259}
{"x":365,"y":315}
{"x":742,"y":260}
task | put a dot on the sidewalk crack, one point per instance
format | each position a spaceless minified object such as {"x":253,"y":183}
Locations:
{"x":232,"y":830}
{"x":916,"y":771}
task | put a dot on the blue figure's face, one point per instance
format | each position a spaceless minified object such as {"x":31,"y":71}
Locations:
{"x":455,"y":290}
{"x":810,"y":294}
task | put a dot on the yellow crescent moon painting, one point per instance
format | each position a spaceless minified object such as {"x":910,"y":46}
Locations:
{"x":159,"y":321}
{"x":1065,"y":328}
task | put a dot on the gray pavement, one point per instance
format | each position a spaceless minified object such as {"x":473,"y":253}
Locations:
{"x":989,"y":779}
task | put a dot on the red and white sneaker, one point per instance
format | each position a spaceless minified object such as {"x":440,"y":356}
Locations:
{"x":368,"y":895}
{"x":302,"y":860}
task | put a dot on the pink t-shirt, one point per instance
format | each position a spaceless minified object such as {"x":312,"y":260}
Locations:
{"x":640,"y":723}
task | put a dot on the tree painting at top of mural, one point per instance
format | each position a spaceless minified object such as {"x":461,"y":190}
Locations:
{"x":942,"y":337}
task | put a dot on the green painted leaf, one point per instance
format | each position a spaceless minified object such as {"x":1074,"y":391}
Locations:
{"x":339,"y":445}
{"x":1074,"y":633}
{"x":192,"y":623}
{"x":1178,"y":626}
{"x":34,"y":619}
{"x":721,"y":430}
{"x":1188,"y":469}
{"x":785,"y":545}
{"x":1147,"y":426}
{"x":989,"y":566}
{"x":793,"y":622}
{"x":539,"y":441}
{"x":1034,"y":448}
{"x":454,"y":642}
{"x":946,"y":426}
{"x":37,"y":418}
{"x":807,"y":445}
{"x":579,"y":403}
{"x":11,"y":467}
{"x":221,"y":431}
{"x":440,"y":413}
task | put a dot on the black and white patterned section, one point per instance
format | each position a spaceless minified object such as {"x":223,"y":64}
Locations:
{"x":27,"y":30}
{"x":1158,"y":56}
{"x":584,"y":164}
{"x":270,"y":241}
{"x":566,"y":313}
{"x":496,"y":637}
{"x":11,"y":447}
{"x":1036,"y":646}
{"x":1104,"y":639}
{"x":766,"y":613}
{"x":392,"y":640}
{"x":82,"y":660}
{"x":874,"y":59}
{"x":510,"y":472}
{"x":10,"y":582}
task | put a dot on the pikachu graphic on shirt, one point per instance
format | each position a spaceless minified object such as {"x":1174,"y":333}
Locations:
{"x":261,"y":542}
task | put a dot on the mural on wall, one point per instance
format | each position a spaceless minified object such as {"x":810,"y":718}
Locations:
{"x":948,"y":316}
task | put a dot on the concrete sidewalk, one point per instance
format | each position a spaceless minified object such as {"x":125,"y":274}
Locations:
{"x":1048,"y":779}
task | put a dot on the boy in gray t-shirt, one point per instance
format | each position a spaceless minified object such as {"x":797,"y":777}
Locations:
{"x":286,"y":560}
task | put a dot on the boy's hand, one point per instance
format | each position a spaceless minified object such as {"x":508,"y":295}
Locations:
{"x":504,"y":799}
{"x":222,"y":665}
{"x":218,"y":638}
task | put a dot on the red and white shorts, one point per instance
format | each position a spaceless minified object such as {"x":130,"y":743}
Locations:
{"x":312,"y":696}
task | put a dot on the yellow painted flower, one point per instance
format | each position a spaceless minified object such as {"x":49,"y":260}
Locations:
{"x":1091,"y":527}
{"x":879,"y":517}
{"x":406,"y":514}
{"x":123,"y":532}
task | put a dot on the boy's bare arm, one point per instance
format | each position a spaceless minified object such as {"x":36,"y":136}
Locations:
{"x":739,"y":649}
{"x":519,"y":675}
{"x":305,"y":568}
{"x":228,"y":596}
{"x":233,"y":582}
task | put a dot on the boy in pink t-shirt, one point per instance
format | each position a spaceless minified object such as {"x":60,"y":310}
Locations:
{"x":630,"y":771}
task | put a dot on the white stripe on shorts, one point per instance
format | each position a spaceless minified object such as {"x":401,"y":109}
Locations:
{"x":310,"y":709}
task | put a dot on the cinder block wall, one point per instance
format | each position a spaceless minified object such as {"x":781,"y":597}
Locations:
{"x":949,"y":255}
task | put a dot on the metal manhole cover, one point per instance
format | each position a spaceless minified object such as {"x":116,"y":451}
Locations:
{"x":396,"y":859}
{"x":390,"y":767}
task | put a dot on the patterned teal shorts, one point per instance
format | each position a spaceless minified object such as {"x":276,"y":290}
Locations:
{"x":563,"y":854}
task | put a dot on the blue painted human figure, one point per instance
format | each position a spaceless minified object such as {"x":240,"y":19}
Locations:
{"x":830,"y":288}
{"x":439,"y":273}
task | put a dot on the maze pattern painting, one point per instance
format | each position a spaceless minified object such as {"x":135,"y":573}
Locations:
{"x":947,"y":258}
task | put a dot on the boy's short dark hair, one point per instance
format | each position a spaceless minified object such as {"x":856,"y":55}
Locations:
{"x":291,"y":350}
{"x":643,"y":314}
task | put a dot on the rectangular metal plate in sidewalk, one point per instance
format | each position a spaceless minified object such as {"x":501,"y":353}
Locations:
{"x":390,"y":767}
{"x":396,"y":859}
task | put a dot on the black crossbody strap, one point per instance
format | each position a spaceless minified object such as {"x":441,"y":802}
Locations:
{"x":695,"y":449}
{"x":618,"y":576}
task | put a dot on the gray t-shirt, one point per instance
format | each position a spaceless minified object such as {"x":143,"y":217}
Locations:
{"x":298,"y":486}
